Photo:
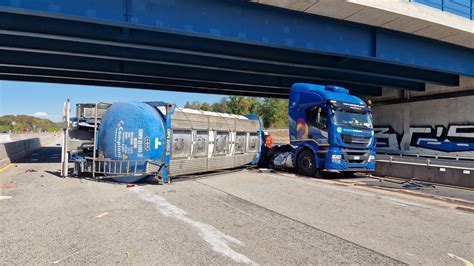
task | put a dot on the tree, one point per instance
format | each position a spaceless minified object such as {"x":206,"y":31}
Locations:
{"x":255,"y":105}
{"x":221,"y":107}
{"x":273,"y":112}
{"x":281,"y":115}
{"x":238,"y":105}
{"x":206,"y":107}
{"x":268,"y":112}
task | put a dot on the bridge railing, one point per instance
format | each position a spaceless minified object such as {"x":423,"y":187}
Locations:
{"x":463,"y":8}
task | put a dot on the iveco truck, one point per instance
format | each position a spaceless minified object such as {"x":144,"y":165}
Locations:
{"x":330,"y":131}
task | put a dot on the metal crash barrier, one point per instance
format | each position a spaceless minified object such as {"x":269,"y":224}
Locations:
{"x":456,"y":171}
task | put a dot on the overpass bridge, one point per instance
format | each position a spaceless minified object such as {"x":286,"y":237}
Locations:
{"x":225,"y":47}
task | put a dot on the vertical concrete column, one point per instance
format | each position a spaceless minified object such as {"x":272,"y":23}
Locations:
{"x":405,"y":116}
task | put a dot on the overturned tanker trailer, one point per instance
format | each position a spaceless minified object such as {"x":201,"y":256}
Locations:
{"x":131,"y":141}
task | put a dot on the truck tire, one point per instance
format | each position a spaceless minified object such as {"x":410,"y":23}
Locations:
{"x":306,"y":164}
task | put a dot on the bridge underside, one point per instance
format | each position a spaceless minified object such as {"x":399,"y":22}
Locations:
{"x":80,"y":51}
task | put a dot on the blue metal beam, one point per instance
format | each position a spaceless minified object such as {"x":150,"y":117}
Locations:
{"x":199,"y":62}
{"x":55,"y":35}
{"x":240,"y":21}
{"x":62,"y":67}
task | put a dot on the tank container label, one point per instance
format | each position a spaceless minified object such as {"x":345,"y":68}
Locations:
{"x":126,"y":142}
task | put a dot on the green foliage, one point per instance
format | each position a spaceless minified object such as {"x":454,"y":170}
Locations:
{"x":274,"y":112}
{"x":27,"y":123}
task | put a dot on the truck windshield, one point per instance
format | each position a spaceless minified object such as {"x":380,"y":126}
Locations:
{"x":354,"y":119}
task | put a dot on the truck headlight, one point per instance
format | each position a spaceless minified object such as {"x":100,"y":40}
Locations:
{"x":336,"y":158}
{"x":371,"y":158}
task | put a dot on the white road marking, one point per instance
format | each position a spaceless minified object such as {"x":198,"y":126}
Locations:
{"x":102,"y":215}
{"x":405,"y":202}
{"x":466,"y":262}
{"x":5,"y":197}
{"x":217,"y":239}
{"x":63,"y":258}
{"x":351,"y":190}
{"x":400,"y":204}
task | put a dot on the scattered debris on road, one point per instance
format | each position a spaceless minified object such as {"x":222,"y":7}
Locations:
{"x":416,"y":184}
{"x":7,"y":186}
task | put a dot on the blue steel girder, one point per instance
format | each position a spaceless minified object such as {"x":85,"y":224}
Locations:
{"x":33,"y":66}
{"x":51,"y":35}
{"x":241,"y":21}
{"x":201,"y":62}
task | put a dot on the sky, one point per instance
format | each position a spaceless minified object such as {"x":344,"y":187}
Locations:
{"x":45,"y":100}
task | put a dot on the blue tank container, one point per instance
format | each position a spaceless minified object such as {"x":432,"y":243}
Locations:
{"x":132,"y":131}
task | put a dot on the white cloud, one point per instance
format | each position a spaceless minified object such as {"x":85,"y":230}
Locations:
{"x":41,"y":114}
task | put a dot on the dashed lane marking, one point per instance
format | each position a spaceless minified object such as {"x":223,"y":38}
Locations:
{"x":5,"y":197}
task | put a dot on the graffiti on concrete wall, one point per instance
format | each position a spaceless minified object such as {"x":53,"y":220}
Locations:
{"x":454,"y":138}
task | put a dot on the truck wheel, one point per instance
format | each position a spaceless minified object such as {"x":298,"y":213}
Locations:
{"x":306,"y":164}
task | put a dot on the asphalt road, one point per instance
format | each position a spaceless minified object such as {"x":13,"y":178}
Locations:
{"x":239,"y":217}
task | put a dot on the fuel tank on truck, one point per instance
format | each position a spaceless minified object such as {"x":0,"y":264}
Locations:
{"x":132,"y":132}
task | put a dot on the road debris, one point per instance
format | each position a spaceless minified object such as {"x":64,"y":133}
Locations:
{"x":266,"y":170}
{"x":416,"y":185}
{"x":7,"y":186}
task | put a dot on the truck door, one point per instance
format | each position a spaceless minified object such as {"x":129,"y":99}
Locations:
{"x":317,"y":118}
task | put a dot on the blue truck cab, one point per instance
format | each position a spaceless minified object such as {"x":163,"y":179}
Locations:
{"x":331,"y":130}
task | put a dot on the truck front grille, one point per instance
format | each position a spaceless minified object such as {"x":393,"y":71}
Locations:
{"x":355,"y":156}
{"x":356,"y":141}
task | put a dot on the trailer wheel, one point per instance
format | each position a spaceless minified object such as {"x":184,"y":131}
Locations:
{"x":306,"y":164}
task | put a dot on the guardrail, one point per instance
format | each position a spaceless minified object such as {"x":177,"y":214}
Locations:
{"x":435,"y":156}
{"x":450,"y":172}
{"x":463,"y":8}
